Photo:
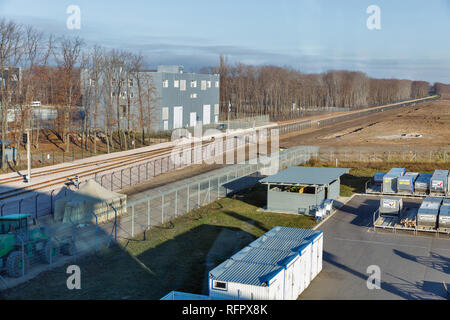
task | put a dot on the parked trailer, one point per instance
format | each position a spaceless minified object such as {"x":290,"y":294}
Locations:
{"x":427,"y":216}
{"x":405,"y":184}
{"x":422,"y":184}
{"x":378,"y":177}
{"x":438,"y":184}
{"x":390,"y":180}
{"x":444,"y":216}
{"x":277,"y":266}
{"x":391,"y":206}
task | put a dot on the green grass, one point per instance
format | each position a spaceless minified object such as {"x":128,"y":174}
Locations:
{"x":168,"y":258}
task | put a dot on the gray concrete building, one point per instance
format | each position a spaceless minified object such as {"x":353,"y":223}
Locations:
{"x":177,"y":99}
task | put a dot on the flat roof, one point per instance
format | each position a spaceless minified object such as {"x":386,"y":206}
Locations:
{"x":265,"y":257}
{"x":306,"y":175}
{"x":15,"y":216}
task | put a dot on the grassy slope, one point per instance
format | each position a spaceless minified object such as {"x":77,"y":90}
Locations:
{"x":172,"y":257}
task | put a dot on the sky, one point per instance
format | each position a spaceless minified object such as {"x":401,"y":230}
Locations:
{"x":308,"y":35}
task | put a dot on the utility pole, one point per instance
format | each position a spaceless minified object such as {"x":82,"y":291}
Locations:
{"x":26,"y":138}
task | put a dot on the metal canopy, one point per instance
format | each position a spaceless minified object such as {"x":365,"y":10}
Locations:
{"x":306,"y":175}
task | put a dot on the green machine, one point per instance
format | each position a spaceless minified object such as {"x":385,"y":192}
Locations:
{"x":37,"y":245}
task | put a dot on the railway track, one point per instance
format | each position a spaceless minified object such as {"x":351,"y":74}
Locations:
{"x":128,"y":158}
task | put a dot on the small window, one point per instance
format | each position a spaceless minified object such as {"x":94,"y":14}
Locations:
{"x":182,"y":85}
{"x":165,"y":113}
{"x":130,"y":82}
{"x":194,"y":96}
{"x":217,"y":84}
{"x":165,"y":83}
{"x":203,"y":84}
{"x":220,"y":285}
{"x":176,"y":84}
{"x":208,"y":84}
{"x":193,"y":84}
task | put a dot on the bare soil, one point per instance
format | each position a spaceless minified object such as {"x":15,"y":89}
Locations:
{"x":424,"y":125}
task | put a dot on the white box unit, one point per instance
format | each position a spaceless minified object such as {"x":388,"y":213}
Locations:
{"x":390,"y":206}
{"x":277,"y":266}
{"x":238,"y":280}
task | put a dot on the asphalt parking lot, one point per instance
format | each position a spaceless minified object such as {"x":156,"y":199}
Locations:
{"x":412,"y":267}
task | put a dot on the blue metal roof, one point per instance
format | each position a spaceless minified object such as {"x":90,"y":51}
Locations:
{"x":293,"y":233}
{"x":279,"y":244}
{"x":265,"y":256}
{"x":255,"y":274}
{"x":174,"y":295}
{"x":307,"y":175}
{"x":15,"y":216}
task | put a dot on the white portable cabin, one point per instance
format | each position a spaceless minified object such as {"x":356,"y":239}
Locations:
{"x":289,"y":261}
{"x":316,"y":237}
{"x":277,"y":266}
{"x":239,"y":280}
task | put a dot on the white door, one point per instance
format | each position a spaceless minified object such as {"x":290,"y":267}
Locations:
{"x":193,"y":119}
{"x":177,"y":117}
{"x":206,"y":114}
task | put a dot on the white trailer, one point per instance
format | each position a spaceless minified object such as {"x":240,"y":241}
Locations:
{"x":293,"y":255}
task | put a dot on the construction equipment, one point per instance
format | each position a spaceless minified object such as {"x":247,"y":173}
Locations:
{"x":19,"y":245}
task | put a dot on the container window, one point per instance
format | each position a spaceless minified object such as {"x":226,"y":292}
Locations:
{"x":220,"y":285}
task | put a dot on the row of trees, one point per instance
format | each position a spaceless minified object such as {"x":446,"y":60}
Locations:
{"x":64,"y":73}
{"x":284,"y":92}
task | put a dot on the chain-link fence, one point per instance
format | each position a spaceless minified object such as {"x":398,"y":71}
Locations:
{"x":303,"y":125}
{"x":378,"y":154}
{"x":163,"y":204}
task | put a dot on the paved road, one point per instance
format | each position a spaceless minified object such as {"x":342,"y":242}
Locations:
{"x":412,"y":267}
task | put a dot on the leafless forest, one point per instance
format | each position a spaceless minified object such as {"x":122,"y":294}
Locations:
{"x":51,"y":72}
{"x":283,"y":93}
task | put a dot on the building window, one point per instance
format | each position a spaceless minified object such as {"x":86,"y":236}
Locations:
{"x":194,"y":96}
{"x":165,"y":83}
{"x":203,"y":84}
{"x":165,"y":113}
{"x":182,"y":85}
{"x":130,"y":82}
{"x":209,"y":84}
{"x":216,"y":109}
{"x":176,"y":84}
{"x":92,"y":82}
{"x":217,"y":84}
{"x":220,"y":285}
{"x":131,"y":95}
{"x":193,"y":84}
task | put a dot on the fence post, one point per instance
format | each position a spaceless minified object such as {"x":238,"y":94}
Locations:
{"x":176,"y":203}
{"x":132,"y":221}
{"x":198,"y":195}
{"x":162,"y":208}
{"x":187,"y":201}
{"x":148,"y":214}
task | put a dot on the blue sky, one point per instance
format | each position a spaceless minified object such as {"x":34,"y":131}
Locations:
{"x":308,"y":35}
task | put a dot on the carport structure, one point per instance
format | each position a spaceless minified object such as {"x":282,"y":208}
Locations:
{"x":302,"y":190}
